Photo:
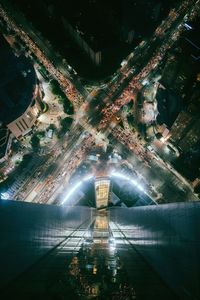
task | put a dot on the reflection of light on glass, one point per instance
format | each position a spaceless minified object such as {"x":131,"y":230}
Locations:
{"x":72,"y":191}
{"x":139,"y":187}
{"x":88,"y":234}
{"x":112,"y":244}
{"x":88,"y":177}
{"x":76,"y":187}
{"x":5,"y":196}
{"x":132,"y":181}
{"x":147,"y":242}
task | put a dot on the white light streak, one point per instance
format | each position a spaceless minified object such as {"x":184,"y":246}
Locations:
{"x":88,"y":177}
{"x":132,"y":181}
{"x":77,"y":185}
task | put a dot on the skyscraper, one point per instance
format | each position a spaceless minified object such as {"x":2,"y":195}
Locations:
{"x":58,"y":252}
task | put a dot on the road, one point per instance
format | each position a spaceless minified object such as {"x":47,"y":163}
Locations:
{"x":54,"y":167}
{"x":158,"y":173}
{"x":44,"y":53}
{"x":97,"y":112}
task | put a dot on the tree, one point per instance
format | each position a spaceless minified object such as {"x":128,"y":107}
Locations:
{"x":66,"y":124}
{"x":67,"y":105}
{"x":130,"y":119}
{"x":55,"y":87}
{"x":40,"y":134}
{"x":51,"y":126}
{"x":35,"y":142}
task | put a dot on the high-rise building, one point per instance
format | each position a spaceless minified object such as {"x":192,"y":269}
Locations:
{"x":59,"y":252}
{"x":184,"y":131}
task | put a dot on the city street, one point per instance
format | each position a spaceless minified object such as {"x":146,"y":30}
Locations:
{"x":97,"y":117}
